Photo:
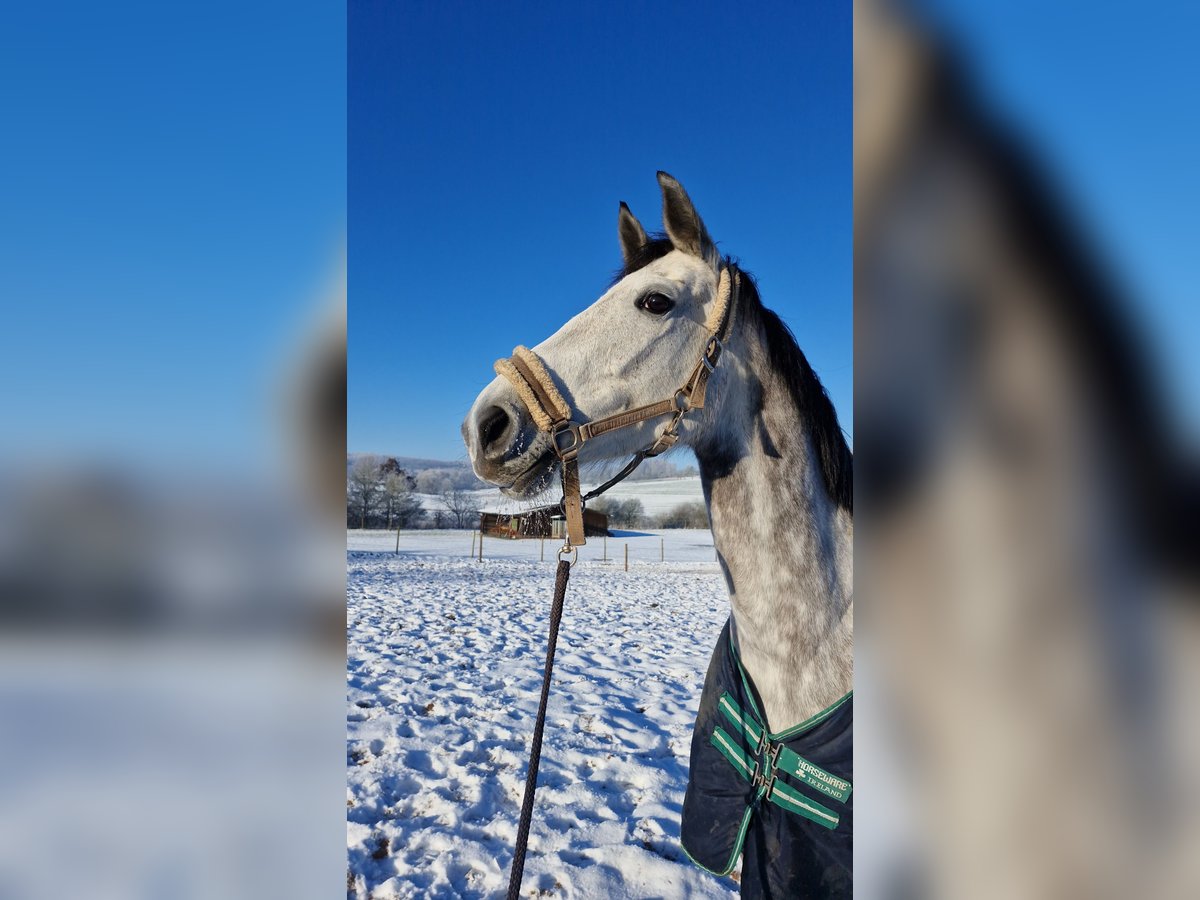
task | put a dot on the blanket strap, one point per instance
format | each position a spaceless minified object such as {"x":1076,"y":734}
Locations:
{"x":761,"y":770}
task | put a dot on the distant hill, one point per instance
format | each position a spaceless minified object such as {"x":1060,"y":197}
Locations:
{"x":411,"y":464}
{"x":657,"y":495}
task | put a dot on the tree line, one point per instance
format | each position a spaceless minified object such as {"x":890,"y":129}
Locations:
{"x":381,"y":494}
{"x":631,"y":514}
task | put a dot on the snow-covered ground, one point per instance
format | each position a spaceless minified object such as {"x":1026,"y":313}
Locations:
{"x":445,"y":656}
{"x":658,"y":495}
{"x":671,"y":545}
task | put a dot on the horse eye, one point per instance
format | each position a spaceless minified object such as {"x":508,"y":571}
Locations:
{"x":658,"y":304}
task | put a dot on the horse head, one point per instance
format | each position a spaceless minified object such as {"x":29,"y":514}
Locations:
{"x":633,"y":346}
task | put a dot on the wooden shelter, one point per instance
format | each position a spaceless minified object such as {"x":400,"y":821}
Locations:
{"x":546,"y":522}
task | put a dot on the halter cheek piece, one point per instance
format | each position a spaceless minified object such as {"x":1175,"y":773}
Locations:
{"x":551,"y":413}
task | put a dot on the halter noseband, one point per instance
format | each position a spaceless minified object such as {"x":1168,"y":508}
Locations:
{"x":551,"y":413}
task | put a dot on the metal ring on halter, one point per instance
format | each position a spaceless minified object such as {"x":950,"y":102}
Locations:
{"x":567,"y":548}
{"x":673,"y":427}
{"x":562,"y":505}
{"x":713,"y":348}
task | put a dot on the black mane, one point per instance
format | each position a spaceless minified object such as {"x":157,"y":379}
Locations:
{"x":813,"y":403}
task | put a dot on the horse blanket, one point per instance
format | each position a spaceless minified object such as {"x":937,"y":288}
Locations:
{"x":780,"y":800}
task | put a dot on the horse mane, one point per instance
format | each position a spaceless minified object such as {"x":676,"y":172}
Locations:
{"x":809,"y":395}
{"x":786,"y":357}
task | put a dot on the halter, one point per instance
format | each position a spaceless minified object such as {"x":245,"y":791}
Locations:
{"x":551,"y":413}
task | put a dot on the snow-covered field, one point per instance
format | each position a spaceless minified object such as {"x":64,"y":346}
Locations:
{"x":445,"y":656}
{"x":658,"y":496}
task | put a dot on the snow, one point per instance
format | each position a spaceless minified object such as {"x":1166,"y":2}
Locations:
{"x":445,"y":657}
{"x":658,"y":496}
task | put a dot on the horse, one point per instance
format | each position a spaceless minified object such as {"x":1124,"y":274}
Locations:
{"x":777,"y":479}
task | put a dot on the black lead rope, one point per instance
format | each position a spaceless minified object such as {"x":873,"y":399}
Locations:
{"x":535,"y":748}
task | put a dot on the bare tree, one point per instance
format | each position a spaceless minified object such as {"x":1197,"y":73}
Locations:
{"x":394,"y":487}
{"x":407,"y":510}
{"x":363,"y":486}
{"x":685,"y":515}
{"x":391,"y":466}
{"x":433,"y":481}
{"x":462,"y":505}
{"x":622,"y":513}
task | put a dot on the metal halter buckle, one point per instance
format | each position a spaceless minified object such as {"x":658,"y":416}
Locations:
{"x":571,"y":450}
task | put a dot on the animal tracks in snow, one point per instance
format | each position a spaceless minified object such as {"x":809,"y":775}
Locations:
{"x":444,"y":663}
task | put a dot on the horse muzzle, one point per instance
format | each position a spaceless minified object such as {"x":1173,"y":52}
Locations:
{"x":505,"y":446}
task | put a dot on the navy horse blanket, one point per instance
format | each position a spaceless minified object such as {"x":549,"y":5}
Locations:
{"x":780,"y":801}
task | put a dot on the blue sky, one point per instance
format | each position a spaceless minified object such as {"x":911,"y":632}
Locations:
{"x":488,"y":153}
{"x":175,"y":191}
{"x":173,"y":209}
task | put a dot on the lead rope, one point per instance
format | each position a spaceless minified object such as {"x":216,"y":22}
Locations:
{"x":535,"y":749}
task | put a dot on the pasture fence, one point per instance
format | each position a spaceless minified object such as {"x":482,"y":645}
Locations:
{"x":628,"y":555}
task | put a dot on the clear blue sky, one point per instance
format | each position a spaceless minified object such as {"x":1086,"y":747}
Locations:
{"x":488,"y":152}
{"x":175,"y":190}
{"x":173,"y":207}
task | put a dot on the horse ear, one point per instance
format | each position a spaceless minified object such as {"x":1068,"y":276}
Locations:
{"x":682,"y":222}
{"x":632,"y":234}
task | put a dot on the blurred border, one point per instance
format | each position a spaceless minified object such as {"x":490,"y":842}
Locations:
{"x":1027,"y":502}
{"x":172,"y":566}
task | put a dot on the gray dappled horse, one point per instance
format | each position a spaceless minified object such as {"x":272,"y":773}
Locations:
{"x":777,"y":478}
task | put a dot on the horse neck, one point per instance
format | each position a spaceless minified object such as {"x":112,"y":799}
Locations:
{"x":783,"y":544}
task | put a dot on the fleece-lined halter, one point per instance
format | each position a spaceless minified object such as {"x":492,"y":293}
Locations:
{"x":551,"y":413}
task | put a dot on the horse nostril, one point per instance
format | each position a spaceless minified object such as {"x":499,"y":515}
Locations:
{"x":493,"y":423}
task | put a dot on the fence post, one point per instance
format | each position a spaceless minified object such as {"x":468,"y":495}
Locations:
{"x":543,"y":548}
{"x":662,"y":549}
{"x":397,"y":540}
{"x":605,"y":559}
{"x":481,"y":545}
{"x":626,"y":557}
{"x":472,"y":542}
